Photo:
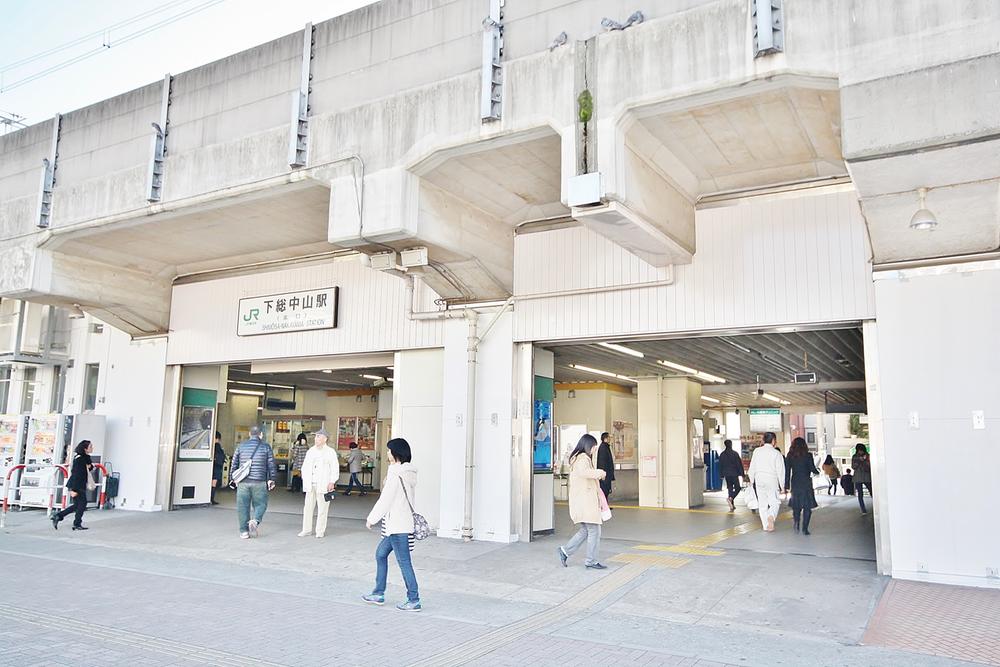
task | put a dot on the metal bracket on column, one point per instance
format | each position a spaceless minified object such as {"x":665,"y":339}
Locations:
{"x":491,"y":98}
{"x":49,"y":165}
{"x":768,"y":27}
{"x":298,"y":142}
{"x":154,"y":183}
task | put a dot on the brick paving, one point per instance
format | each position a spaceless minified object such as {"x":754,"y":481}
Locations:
{"x":951,"y":621}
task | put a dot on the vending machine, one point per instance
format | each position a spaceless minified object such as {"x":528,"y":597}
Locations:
{"x":50,"y":442}
{"x":12,"y":432}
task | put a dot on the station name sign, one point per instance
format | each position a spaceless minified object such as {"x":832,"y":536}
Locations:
{"x":284,"y":313}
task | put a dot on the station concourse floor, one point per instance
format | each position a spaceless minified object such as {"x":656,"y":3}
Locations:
{"x":683,"y":588}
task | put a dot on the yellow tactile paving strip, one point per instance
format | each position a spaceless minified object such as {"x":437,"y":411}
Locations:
{"x":680,"y":549}
{"x":651,"y":560}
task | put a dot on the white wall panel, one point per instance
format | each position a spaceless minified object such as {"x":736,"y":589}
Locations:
{"x":773,"y":262}
{"x":372,"y":316}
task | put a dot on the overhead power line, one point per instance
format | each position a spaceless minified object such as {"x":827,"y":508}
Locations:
{"x":108,"y":44}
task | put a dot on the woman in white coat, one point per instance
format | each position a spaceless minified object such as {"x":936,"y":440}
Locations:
{"x":320,"y":470}
{"x":395,"y":510}
{"x":584,"y":503}
{"x":767,"y":474}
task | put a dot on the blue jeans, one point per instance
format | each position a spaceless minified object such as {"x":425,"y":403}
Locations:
{"x":248,"y":493}
{"x":400,"y":544}
{"x":355,"y":480}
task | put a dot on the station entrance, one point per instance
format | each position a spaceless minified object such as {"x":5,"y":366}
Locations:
{"x":290,"y":399}
{"x":668,"y":407}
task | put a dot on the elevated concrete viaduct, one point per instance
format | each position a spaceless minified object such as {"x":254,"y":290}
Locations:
{"x":368,"y":132}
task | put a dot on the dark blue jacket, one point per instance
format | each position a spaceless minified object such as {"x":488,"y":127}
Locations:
{"x":263,"y":468}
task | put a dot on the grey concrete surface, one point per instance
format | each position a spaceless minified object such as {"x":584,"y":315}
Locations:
{"x":181,"y":588}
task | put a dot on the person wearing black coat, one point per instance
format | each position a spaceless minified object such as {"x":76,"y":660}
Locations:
{"x":799,"y":469}
{"x":218,"y":462}
{"x":77,"y":486}
{"x":606,"y":462}
{"x":731,"y":469}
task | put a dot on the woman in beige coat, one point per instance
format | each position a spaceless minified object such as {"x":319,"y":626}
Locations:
{"x":584,"y":503}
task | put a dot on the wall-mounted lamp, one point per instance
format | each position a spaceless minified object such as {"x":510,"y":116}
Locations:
{"x":923,"y":220}
{"x":571,"y":393}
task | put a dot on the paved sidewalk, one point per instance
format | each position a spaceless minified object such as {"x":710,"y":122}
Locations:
{"x":181,"y":588}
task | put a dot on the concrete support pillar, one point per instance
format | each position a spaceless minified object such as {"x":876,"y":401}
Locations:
{"x":667,"y":408}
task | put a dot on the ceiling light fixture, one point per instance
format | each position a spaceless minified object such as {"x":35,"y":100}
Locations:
{"x":772,"y":397}
{"x":923,"y":220}
{"x":709,"y":399}
{"x":250,"y":384}
{"x":326,"y":370}
{"x":598,"y":371}
{"x":707,"y":377}
{"x":624,"y":350}
{"x":372,"y":377}
{"x":246,"y":392}
{"x":279,"y":386}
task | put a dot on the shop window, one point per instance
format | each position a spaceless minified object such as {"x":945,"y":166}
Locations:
{"x":28,"y":376}
{"x":91,"y":375}
{"x":4,"y":388}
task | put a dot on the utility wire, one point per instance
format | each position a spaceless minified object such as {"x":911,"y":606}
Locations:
{"x":125,"y":39}
{"x":98,"y":33}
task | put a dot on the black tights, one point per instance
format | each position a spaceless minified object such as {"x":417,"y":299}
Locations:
{"x":806,"y":514}
{"x":78,"y":505}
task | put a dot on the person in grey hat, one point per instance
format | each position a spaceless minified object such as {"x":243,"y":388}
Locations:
{"x":253,"y":486}
{"x":320,"y":470}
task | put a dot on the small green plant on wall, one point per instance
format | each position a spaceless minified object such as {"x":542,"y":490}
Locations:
{"x":858,"y":429}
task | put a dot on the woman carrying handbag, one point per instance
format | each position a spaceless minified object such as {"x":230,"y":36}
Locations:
{"x":585,"y":504}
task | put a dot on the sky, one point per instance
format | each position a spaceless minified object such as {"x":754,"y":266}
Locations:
{"x":222,"y":27}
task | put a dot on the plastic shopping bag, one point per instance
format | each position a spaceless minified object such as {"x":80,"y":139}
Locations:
{"x":605,"y":510}
{"x":749,"y":496}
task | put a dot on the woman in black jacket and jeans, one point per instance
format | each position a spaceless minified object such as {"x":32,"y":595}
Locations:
{"x":77,"y":485}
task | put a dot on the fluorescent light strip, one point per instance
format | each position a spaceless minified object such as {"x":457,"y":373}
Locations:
{"x":373,"y":377}
{"x":279,"y":386}
{"x":251,"y":384}
{"x":598,"y":371}
{"x":772,"y":397}
{"x":326,"y":370}
{"x":246,"y":392}
{"x":707,"y":377}
{"x":709,"y":399}
{"x":623,"y":349}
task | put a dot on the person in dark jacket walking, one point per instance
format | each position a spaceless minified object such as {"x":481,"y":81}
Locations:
{"x":731,"y":469}
{"x":847,"y":483}
{"x":218,"y":463}
{"x":606,"y":462}
{"x":77,"y":486}
{"x":799,"y":469}
{"x":862,"y":474}
{"x":253,"y":489}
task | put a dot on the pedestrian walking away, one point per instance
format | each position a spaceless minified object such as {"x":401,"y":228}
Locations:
{"x":218,"y":463}
{"x":79,"y":483}
{"x":251,"y":473}
{"x":847,"y":483}
{"x":606,"y":462}
{"x":799,"y":470}
{"x":832,"y":473}
{"x":584,"y":503}
{"x":767,"y":473}
{"x":862,"y":474}
{"x":296,"y":458}
{"x":731,"y":469}
{"x":394,"y":511}
{"x":320,"y":470}
{"x":354,"y":462}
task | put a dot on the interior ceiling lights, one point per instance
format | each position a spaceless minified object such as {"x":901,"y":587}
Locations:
{"x":923,"y":220}
{"x":598,"y":371}
{"x":707,"y":377}
{"x":624,"y":350}
{"x":709,"y":399}
{"x":772,"y":397}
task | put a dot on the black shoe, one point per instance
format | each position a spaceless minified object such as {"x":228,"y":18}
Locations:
{"x":596,"y":566}
{"x":805,"y":531}
{"x":795,"y":525}
{"x":80,"y":528}
{"x":55,"y":521}
{"x":215,"y":502}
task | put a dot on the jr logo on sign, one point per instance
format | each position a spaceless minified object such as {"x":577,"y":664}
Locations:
{"x":252,"y":316}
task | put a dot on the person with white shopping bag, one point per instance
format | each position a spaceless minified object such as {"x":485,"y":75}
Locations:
{"x":767,"y":475}
{"x":588,"y":506}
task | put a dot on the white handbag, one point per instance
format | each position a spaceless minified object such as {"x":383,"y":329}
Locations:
{"x":749,"y":496}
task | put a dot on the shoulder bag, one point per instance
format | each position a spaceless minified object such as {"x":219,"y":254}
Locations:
{"x":243,"y":471}
{"x":420,"y":528}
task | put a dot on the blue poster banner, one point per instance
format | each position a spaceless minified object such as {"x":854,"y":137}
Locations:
{"x":542,"y":435}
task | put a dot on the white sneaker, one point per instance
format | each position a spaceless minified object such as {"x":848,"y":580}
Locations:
{"x":253,"y":528}
{"x":319,"y":535}
{"x":305,"y":533}
{"x":244,"y":536}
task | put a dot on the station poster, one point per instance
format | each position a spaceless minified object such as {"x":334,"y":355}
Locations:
{"x":347,"y":432}
{"x":194,"y":441}
{"x":366,"y":432}
{"x":623,"y":441}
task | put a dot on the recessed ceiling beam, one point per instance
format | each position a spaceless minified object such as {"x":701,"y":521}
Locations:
{"x":783,"y":387}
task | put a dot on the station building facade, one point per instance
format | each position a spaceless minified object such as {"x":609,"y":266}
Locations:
{"x":483,"y":204}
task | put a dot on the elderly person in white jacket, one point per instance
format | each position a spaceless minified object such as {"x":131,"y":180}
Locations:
{"x":320,"y":470}
{"x":767,"y":474}
{"x":395,"y":510}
